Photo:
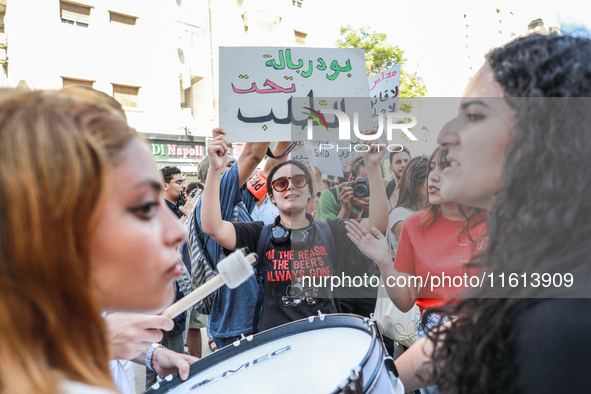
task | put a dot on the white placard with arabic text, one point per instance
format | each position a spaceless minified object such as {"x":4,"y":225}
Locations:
{"x":257,"y":83}
{"x":383,"y":88}
{"x":327,"y":162}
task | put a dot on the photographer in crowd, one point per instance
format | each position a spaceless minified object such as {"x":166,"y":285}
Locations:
{"x":350,"y":200}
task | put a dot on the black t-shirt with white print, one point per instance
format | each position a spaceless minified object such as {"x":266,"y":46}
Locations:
{"x":289,"y":297}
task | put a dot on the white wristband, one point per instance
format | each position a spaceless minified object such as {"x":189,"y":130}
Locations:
{"x":150,"y":354}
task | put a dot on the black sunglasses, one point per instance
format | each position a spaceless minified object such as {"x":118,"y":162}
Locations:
{"x":281,"y":184}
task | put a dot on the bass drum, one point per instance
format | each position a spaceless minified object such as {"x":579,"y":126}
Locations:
{"x":322,"y":354}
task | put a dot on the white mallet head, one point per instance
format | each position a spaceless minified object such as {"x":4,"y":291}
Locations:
{"x":236,"y":268}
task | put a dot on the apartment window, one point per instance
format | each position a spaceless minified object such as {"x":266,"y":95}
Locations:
{"x":297,"y":3}
{"x":300,"y":38}
{"x":2,"y":15}
{"x":191,"y":37}
{"x":74,"y":14}
{"x":267,"y":22}
{"x":245,"y":20}
{"x":186,"y":97}
{"x":69,"y":82}
{"x":122,"y":19}
{"x":126,"y":95}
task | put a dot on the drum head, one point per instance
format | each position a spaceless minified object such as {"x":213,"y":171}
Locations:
{"x":286,"y":359}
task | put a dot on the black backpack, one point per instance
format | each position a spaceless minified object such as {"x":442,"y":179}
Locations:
{"x":327,"y":238}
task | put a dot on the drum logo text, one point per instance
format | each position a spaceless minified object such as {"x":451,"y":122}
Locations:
{"x":243,"y":367}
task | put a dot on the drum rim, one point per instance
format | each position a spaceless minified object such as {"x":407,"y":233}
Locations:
{"x":372,"y":380}
{"x":336,"y":320}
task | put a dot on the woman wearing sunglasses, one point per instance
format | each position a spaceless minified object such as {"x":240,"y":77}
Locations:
{"x":297,"y":246}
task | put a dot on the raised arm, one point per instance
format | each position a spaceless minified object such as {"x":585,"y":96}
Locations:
{"x":187,"y":208}
{"x":219,"y":230}
{"x":251,"y":156}
{"x":378,"y":203}
{"x":279,"y":148}
{"x":374,"y":245}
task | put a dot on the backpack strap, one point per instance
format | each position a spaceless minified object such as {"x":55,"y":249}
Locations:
{"x":326,"y":235}
{"x":328,"y":239}
{"x":199,"y":235}
{"x":200,"y":267}
{"x":390,"y":188}
{"x":264,"y":239}
{"x":335,"y":193}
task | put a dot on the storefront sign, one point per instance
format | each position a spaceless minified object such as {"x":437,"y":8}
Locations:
{"x":176,"y":151}
{"x":184,"y":152}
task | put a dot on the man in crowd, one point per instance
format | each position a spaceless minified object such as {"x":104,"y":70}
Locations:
{"x":340,"y":202}
{"x":171,"y":188}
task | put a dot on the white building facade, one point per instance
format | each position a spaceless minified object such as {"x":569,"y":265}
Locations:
{"x":153,"y":57}
{"x":159,"y":59}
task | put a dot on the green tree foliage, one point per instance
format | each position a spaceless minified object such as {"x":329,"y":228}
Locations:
{"x":411,"y":85}
{"x":379,"y":56}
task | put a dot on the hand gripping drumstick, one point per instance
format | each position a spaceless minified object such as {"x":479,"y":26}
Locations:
{"x":233,"y":270}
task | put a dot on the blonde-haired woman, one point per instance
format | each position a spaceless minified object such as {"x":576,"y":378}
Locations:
{"x":82,"y":231}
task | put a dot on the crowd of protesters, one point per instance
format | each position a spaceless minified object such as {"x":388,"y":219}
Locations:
{"x":90,"y":255}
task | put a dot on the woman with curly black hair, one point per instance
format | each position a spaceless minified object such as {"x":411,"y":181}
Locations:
{"x":517,"y":148}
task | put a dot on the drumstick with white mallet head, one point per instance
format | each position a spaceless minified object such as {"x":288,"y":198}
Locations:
{"x":233,"y":271}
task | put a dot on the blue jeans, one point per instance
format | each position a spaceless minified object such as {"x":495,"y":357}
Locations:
{"x":223,"y":342}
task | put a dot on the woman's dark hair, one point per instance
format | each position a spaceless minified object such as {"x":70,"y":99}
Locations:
{"x":296,"y":163}
{"x":413,"y":176}
{"x":437,"y":157}
{"x":192,"y":186}
{"x":539,"y":221}
{"x":357,"y":164}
